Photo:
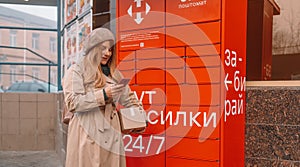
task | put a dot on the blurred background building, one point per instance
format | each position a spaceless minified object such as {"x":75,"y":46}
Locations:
{"x":43,"y":43}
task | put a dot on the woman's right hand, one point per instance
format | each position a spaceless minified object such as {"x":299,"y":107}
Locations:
{"x":114,"y":91}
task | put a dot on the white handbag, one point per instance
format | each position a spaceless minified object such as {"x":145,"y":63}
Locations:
{"x":132,"y":119}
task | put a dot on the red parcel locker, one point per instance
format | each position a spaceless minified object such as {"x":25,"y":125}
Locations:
{"x":186,"y":60}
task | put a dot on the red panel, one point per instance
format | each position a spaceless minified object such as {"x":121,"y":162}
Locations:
{"x":192,"y":130}
{"x":174,"y":52}
{"x":193,"y":94}
{"x":192,"y":11}
{"x":151,"y":77}
{"x":203,"y":61}
{"x":180,"y":162}
{"x":195,"y":34}
{"x":126,"y":65}
{"x":176,"y":62}
{"x":126,"y":56}
{"x":150,"y":64}
{"x":150,"y":161}
{"x":175,"y":76}
{"x":193,"y":148}
{"x":157,"y":53}
{"x":234,"y":41}
{"x":203,"y":50}
{"x":203,"y":75}
{"x":154,"y":18}
{"x":150,"y":38}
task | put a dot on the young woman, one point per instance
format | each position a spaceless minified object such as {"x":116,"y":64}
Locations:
{"x":91,"y":90}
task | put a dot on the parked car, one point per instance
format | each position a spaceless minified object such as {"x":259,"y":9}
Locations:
{"x":31,"y":86}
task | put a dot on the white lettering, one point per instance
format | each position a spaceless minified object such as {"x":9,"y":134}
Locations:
{"x":236,"y":81}
{"x":227,"y":109}
{"x":138,"y":144}
{"x":169,"y":115}
{"x":193,"y":119}
{"x":233,"y":60}
{"x":192,"y":4}
{"x":142,"y":96}
{"x":233,"y":109}
{"x":150,"y":93}
{"x":148,"y":117}
{"x":243,"y":83}
{"x":227,"y":57}
{"x":240,"y":106}
{"x":178,"y":117}
{"x":213,"y":116}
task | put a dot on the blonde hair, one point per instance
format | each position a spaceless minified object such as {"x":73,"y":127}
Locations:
{"x":92,"y":73}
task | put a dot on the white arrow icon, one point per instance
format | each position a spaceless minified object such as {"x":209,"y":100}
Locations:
{"x":139,"y":18}
{"x":129,"y":11}
{"x":138,"y":3}
{"x":147,"y":8}
{"x":227,"y":82}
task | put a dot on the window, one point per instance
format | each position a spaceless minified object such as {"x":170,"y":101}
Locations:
{"x":35,"y":40}
{"x":52,"y":45}
{"x":13,"y":37}
{"x":13,"y":70}
{"x":35,"y":73}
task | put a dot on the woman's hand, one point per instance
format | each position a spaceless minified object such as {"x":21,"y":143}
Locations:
{"x":114,"y":91}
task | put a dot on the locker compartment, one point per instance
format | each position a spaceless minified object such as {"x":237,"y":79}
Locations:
{"x":175,"y":76}
{"x":177,"y":62}
{"x":192,"y":148}
{"x":150,"y":64}
{"x":194,"y":34}
{"x":126,"y":56}
{"x":147,"y":161}
{"x":203,"y":61}
{"x":151,"y":77}
{"x":203,"y":75}
{"x":175,"y":52}
{"x":157,"y":53}
{"x":194,"y":95}
{"x":203,"y":50}
{"x":126,"y":65}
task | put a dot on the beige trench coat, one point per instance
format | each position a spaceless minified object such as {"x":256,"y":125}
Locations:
{"x":94,"y":135}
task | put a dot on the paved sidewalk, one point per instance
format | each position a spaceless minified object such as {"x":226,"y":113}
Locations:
{"x":29,"y":159}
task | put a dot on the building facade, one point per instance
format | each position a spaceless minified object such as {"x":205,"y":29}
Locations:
{"x":42,"y":43}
